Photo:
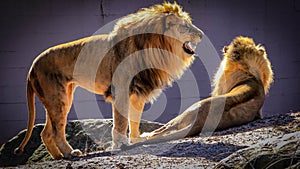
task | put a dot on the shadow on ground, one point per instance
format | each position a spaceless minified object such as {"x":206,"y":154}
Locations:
{"x":93,"y":136}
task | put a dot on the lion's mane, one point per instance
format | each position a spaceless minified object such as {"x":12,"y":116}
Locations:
{"x":139,"y":32}
{"x":233,"y":67}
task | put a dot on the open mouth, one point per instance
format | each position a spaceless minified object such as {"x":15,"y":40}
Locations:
{"x":189,"y":47}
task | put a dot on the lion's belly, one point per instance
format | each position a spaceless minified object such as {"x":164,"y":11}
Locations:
{"x":93,"y":87}
{"x":98,"y":86}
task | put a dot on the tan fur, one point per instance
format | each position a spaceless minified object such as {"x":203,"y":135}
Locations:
{"x":240,"y":85}
{"x":152,"y":38}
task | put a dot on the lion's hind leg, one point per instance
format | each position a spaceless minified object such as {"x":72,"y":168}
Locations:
{"x":48,"y":140}
{"x":57,"y":103}
{"x":240,"y":114}
{"x":53,"y":135}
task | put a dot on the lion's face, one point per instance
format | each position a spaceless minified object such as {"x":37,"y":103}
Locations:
{"x":244,"y":55}
{"x":184,"y":31}
{"x":243,"y":49}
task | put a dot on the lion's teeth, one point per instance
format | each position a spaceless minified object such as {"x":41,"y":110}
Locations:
{"x":187,"y":45}
{"x":191,"y":46}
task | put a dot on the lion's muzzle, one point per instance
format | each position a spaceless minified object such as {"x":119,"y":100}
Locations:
{"x":196,"y":35}
{"x":196,"y":32}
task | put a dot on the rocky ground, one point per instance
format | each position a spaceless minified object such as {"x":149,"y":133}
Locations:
{"x":271,"y":142}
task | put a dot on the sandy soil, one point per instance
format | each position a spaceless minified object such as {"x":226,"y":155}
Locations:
{"x":194,"y":152}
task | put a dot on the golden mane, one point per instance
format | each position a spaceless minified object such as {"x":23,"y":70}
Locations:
{"x":146,"y":15}
{"x":265,"y":67}
{"x":259,"y":65}
{"x":168,"y":8}
{"x":241,"y":59}
{"x":144,"y":29}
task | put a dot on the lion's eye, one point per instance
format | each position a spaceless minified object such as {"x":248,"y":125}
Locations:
{"x":171,"y":24}
{"x":236,"y":55}
{"x":184,"y":28}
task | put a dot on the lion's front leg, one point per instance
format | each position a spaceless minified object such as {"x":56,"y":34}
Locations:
{"x":120,"y":125}
{"x":135,"y":113}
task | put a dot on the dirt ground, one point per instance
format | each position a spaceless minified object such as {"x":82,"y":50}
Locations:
{"x":193,"y":152}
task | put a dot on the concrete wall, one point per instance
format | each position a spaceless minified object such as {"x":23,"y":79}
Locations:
{"x":31,"y":26}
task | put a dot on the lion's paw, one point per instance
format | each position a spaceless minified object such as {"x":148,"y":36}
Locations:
{"x":137,"y":139}
{"x":118,"y":140}
{"x":147,"y":135}
{"x":76,"y":153}
{"x":116,"y":145}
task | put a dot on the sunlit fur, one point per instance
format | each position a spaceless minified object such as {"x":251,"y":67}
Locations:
{"x":242,"y":54}
{"x":152,"y":32}
{"x":149,"y":16}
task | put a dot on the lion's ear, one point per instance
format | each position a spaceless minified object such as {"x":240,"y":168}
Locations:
{"x":261,"y":49}
{"x":170,"y":20}
{"x":225,"y":48}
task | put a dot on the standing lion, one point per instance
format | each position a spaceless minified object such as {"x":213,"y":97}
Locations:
{"x":240,"y":86}
{"x":157,"y":44}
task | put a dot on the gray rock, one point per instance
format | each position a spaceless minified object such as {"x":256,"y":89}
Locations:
{"x":87,"y":135}
{"x":7,"y":156}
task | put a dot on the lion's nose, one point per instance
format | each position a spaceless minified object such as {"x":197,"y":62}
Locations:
{"x":200,"y":34}
{"x":197,"y":32}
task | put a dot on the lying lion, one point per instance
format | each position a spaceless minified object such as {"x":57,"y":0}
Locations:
{"x":157,"y":43}
{"x":240,"y":86}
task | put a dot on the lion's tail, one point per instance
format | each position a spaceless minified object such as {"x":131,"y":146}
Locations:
{"x":31,"y":118}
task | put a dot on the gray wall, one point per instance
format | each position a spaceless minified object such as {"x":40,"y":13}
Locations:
{"x":30,"y":27}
